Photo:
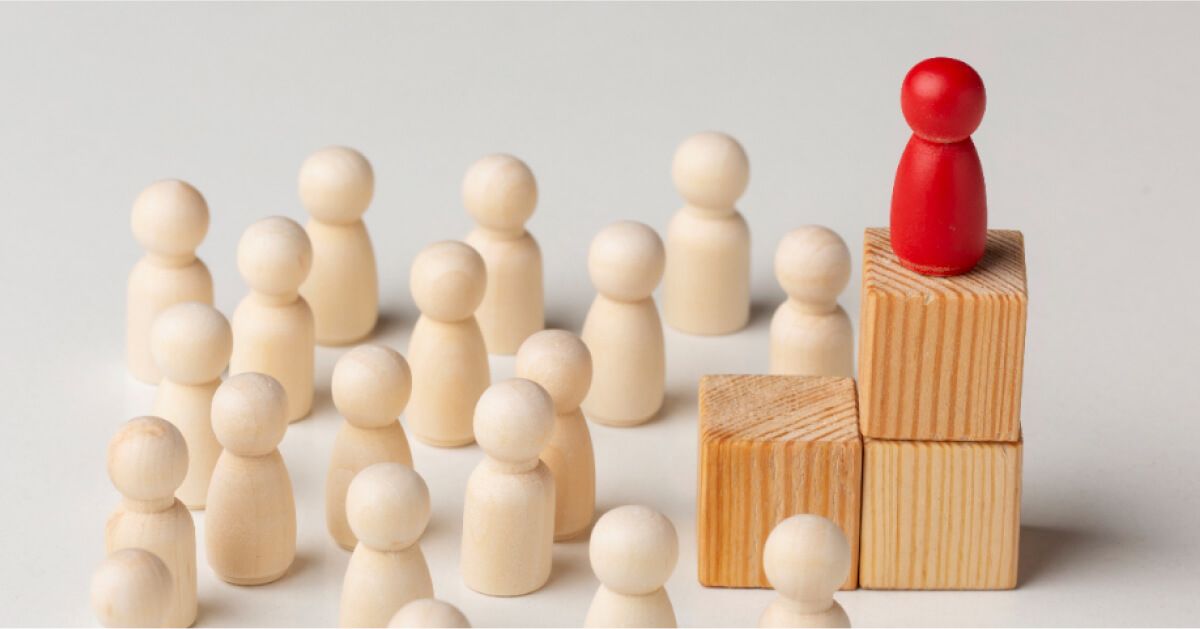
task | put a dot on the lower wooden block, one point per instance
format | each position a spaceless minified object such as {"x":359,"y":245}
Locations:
{"x":940,"y":515}
{"x":772,"y":447}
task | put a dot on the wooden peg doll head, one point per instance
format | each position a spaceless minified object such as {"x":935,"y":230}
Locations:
{"x":625,"y":261}
{"x":274,"y":256}
{"x":561,"y":363}
{"x":807,"y":558}
{"x":812,"y":264}
{"x":513,"y":421}
{"x":387,"y":506}
{"x":336,"y":185}
{"x":147,"y":459}
{"x":249,"y":414}
{"x":170,"y":219}
{"x":633,"y":550}
{"x":191,"y":343}
{"x":447,"y":280}
{"x":711,"y":170}
{"x":943,"y":100}
{"x":428,"y":612}
{"x":371,"y":386}
{"x":500,"y":193}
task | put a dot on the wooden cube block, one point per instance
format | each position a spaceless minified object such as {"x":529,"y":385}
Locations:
{"x":772,"y":447}
{"x":940,"y":515}
{"x":941,"y":358}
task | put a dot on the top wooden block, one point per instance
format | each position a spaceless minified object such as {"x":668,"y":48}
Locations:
{"x":941,"y":358}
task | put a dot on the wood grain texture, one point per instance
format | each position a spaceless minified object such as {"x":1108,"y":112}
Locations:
{"x":940,"y":515}
{"x":772,"y":447}
{"x":941,"y":358}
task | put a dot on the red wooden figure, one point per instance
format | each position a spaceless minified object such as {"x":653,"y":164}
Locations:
{"x":939,"y":206}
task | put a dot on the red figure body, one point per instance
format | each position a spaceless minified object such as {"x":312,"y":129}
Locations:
{"x":939,"y":205}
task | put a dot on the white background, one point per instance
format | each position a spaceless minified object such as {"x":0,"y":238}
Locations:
{"x":1089,"y":146}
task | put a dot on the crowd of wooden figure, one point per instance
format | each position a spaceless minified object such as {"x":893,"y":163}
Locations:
{"x":212,"y":444}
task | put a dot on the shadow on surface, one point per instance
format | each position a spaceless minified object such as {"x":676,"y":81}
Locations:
{"x":1049,"y":550}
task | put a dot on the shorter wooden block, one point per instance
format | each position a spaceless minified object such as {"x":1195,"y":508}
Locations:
{"x":772,"y":447}
{"x":940,"y":515}
{"x":941,"y":358}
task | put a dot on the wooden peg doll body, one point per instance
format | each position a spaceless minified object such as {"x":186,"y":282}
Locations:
{"x":706,"y":288}
{"x":147,"y":461}
{"x":508,"y":511}
{"x":500,"y":193}
{"x":810,"y":333}
{"x":371,"y":386}
{"x":170,"y":219}
{"x":336,"y":185}
{"x":191,"y":343}
{"x":273,"y":331}
{"x":387,"y":506}
{"x":250,"y":524}
{"x":560,"y":362}
{"x":446,"y":351}
{"x":623,"y":330}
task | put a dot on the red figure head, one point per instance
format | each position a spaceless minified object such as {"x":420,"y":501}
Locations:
{"x":943,"y":100}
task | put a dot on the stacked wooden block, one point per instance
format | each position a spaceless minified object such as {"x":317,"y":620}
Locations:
{"x":940,"y":365}
{"x":920,"y":467}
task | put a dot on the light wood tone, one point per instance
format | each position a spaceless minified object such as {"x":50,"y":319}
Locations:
{"x":560,"y":362}
{"x":147,"y":461}
{"x":250,"y":523}
{"x":429,"y":612}
{"x":941,"y":358}
{"x":806,"y":558}
{"x":169,"y":220}
{"x":811,"y":334}
{"x":500,"y":193}
{"x":371,"y":385}
{"x":508,"y":511}
{"x":131,"y":588}
{"x":622,"y":329}
{"x":941,"y":515}
{"x":191,"y":343}
{"x":273,"y":331}
{"x":387,"y":506}
{"x":772,"y":447}
{"x":336,"y":184}
{"x":446,"y":351}
{"x":706,"y":289}
{"x":633,"y":551}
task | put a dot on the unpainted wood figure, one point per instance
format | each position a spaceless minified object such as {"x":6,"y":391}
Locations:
{"x":508,"y":512}
{"x":336,"y":184}
{"x":806,"y":558}
{"x":191,"y":343}
{"x":811,"y":334}
{"x":170,"y":219}
{"x":250,"y":524}
{"x":500,"y":193}
{"x":273,"y":330}
{"x":706,"y":289}
{"x":429,"y":612}
{"x":623,"y":330}
{"x":131,"y":588}
{"x":387,"y":506}
{"x":371,"y":386}
{"x":147,"y":461}
{"x":633,"y":551}
{"x":560,"y":362}
{"x":446,"y":351}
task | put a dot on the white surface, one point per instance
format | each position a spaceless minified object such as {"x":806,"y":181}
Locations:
{"x":1089,"y":146}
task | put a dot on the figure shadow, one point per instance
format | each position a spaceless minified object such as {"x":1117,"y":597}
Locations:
{"x":761,"y":311}
{"x":1046,"y":551}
